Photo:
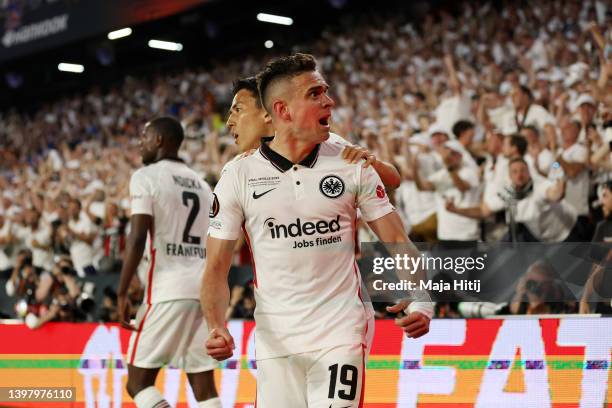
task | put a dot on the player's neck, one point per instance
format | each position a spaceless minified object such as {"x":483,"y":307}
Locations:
{"x":291,"y":148}
{"x":169,"y":156}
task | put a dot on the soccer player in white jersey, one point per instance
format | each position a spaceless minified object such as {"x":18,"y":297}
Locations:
{"x":297,"y":201}
{"x":170,"y":205}
{"x":249,"y":124}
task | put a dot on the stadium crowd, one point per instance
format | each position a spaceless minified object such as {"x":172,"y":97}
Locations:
{"x":501,"y":116}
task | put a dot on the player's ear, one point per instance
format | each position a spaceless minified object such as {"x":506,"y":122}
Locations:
{"x":159,"y":140}
{"x":267,"y":118}
{"x":281,"y":110}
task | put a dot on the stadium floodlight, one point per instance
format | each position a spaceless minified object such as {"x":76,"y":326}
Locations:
{"x":165,"y":45}
{"x":124,"y":32}
{"x":271,"y":18}
{"x":269,"y":44}
{"x":66,"y":67}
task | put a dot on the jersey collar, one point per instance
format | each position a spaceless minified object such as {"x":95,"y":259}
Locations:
{"x":280,"y":162}
{"x":174,"y":159}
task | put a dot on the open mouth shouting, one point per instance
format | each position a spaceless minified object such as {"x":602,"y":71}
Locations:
{"x":324,"y":121}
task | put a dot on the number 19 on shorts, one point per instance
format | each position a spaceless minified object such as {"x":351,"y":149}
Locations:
{"x":348,"y":376}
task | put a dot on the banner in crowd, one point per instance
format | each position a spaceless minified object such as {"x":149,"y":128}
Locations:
{"x":30,"y":26}
{"x":514,"y":362}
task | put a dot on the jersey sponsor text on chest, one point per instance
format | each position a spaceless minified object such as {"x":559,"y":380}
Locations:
{"x":301,"y":228}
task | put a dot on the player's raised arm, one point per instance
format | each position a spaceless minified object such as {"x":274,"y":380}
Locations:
{"x":215,"y":296}
{"x":134,"y":248}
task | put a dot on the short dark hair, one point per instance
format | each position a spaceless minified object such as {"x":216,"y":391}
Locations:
{"x":249,"y":84}
{"x":283,"y":68}
{"x":608,"y":185}
{"x":461,"y":126}
{"x":168,"y":128}
{"x":533,"y":129}
{"x":519,"y":142}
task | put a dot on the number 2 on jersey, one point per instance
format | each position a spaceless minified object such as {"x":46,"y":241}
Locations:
{"x":193,"y":213}
{"x":345,"y":379}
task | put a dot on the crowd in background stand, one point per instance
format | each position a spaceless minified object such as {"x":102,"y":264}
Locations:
{"x":501,"y":116}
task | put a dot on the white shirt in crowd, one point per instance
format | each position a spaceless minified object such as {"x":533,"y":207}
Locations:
{"x":5,"y":261}
{"x":452,"y":109}
{"x":41,"y":258}
{"x":180,"y":202}
{"x":495,"y":172}
{"x":543,"y":161}
{"x":16,"y":230}
{"x":454,"y":227}
{"x":548,"y":222}
{"x":577,"y":188}
{"x":497,"y":178}
{"x":81,"y":252}
{"x":415,"y":205}
{"x":538,"y":54}
{"x":537,"y":116}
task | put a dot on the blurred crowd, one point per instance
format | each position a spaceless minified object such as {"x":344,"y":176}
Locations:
{"x":500,"y":115}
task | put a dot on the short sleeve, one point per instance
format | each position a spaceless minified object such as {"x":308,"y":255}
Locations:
{"x":339,"y":140}
{"x":44,"y":236}
{"x":226,"y":213}
{"x":469,"y":175}
{"x":141,"y":194}
{"x":530,"y":209}
{"x":208,"y":193}
{"x":372,"y":198}
{"x":441,"y":180}
{"x":544,"y":117}
{"x":229,"y":163}
{"x":545,"y":160}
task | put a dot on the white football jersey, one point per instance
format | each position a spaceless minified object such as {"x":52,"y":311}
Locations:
{"x":299,"y":221}
{"x":179,"y":201}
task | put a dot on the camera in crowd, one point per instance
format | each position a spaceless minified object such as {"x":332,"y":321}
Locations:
{"x":50,"y":296}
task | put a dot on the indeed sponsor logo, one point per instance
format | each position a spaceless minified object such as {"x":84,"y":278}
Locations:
{"x":300,"y":228}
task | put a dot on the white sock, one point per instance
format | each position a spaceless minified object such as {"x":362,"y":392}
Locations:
{"x":150,"y":398}
{"x":210,"y":403}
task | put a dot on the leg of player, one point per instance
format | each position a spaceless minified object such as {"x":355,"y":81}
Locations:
{"x":203,"y":386}
{"x":281,"y":382}
{"x":141,"y":387}
{"x":370,"y":335}
{"x":337,"y":377}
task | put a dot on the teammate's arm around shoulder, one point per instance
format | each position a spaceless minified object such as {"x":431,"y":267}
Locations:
{"x":215,"y":296}
{"x":353,"y":153}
